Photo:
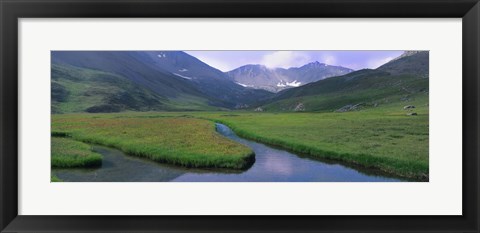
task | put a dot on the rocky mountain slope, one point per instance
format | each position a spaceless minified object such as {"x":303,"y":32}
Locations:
{"x":274,"y":80}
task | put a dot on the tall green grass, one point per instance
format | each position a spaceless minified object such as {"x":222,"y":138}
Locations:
{"x":382,"y":138}
{"x":54,"y":178}
{"x":180,"y":141}
{"x":67,"y":153}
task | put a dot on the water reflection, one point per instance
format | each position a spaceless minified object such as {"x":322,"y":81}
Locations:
{"x":271,"y":165}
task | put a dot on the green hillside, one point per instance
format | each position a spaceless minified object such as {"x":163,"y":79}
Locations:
{"x":77,"y":89}
{"x":360,"y":89}
{"x":174,"y":75}
{"x":371,"y":90}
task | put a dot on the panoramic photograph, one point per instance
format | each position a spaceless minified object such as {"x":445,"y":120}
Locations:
{"x":240,"y":116}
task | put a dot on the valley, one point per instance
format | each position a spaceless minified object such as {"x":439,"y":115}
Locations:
{"x":172,"y":109}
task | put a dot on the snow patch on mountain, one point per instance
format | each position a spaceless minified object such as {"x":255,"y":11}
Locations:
{"x":277,"y":79}
{"x":289,"y":84}
{"x":294,"y":84}
{"x":243,"y":85}
{"x":181,"y":76}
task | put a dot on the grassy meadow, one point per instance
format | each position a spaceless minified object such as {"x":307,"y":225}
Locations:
{"x":163,"y":106}
{"x":55,"y":179}
{"x":385,"y":138}
{"x":183,"y":141}
{"x":68,"y":153}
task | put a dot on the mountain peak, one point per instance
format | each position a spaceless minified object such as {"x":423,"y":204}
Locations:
{"x":316,"y":63}
{"x":410,"y":62}
{"x":407,"y":53}
{"x":252,"y":66}
{"x":277,"y":79}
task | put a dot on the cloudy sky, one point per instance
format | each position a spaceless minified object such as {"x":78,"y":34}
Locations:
{"x":229,"y":60}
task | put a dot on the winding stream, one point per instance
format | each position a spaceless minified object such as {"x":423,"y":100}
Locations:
{"x":271,"y":165}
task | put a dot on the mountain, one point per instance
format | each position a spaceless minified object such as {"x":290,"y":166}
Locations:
{"x":261,"y":77}
{"x":316,"y":71}
{"x":113,"y":81}
{"x":174,"y":79}
{"x":210,"y":81}
{"x":83,"y":90}
{"x":401,"y":80}
{"x":410,"y":62}
{"x":257,"y":76}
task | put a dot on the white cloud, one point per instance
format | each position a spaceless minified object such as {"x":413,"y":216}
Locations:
{"x":329,"y":59}
{"x":353,"y":66}
{"x":285,"y":59}
{"x":216,"y":63}
{"x":375,"y":63}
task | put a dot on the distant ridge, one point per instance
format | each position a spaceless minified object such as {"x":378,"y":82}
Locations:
{"x":277,"y":79}
{"x":401,"y":80}
{"x":115,"y":81}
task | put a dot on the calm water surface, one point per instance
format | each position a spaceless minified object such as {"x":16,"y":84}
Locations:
{"x":271,"y":165}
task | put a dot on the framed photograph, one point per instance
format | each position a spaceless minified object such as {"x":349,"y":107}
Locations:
{"x":239,"y":116}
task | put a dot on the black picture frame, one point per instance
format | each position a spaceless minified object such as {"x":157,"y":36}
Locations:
{"x":11,"y":11}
